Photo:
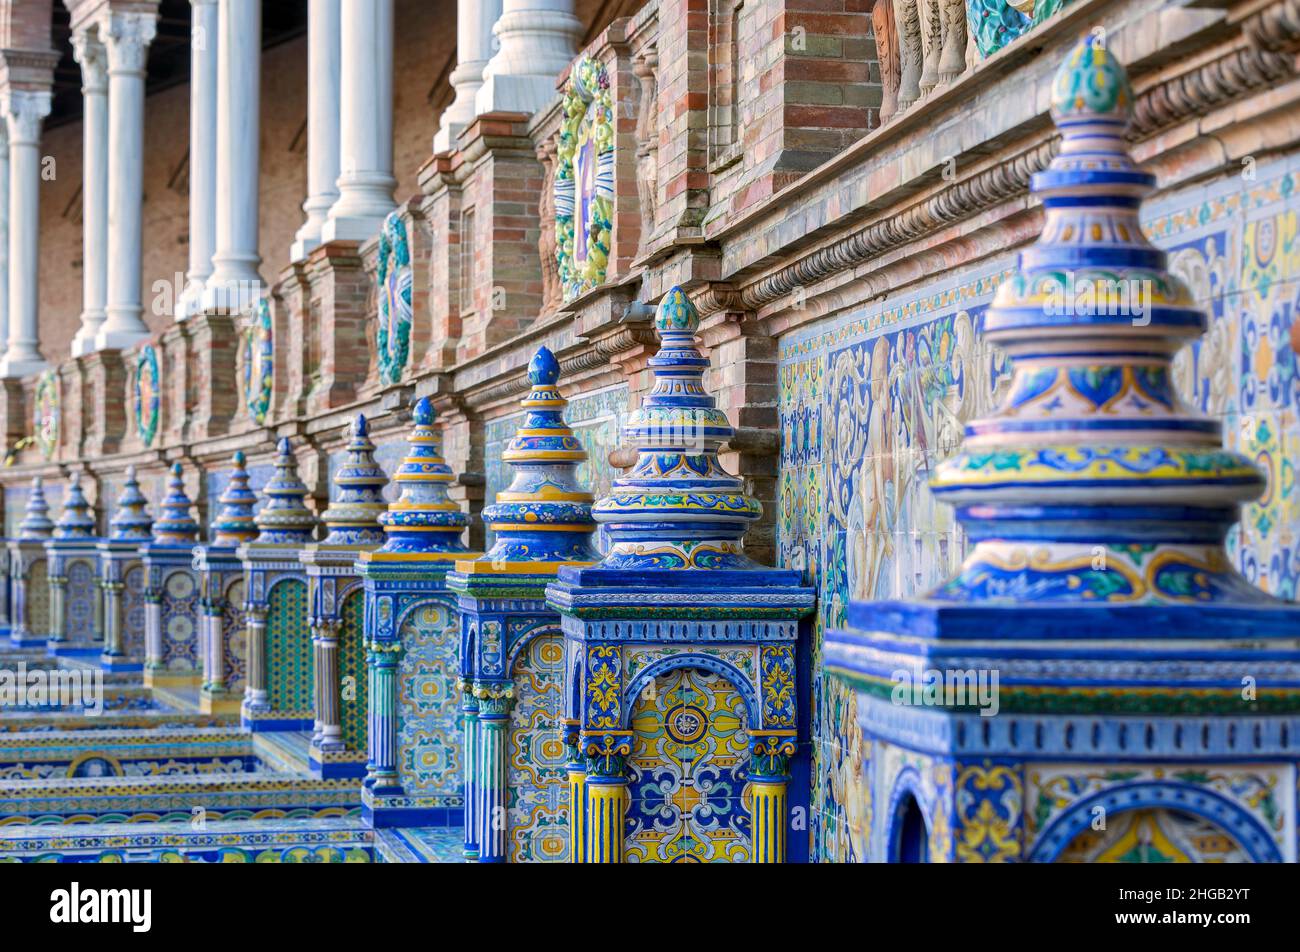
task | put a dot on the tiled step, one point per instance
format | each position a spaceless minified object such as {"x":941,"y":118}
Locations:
{"x":259,"y":795}
{"x":114,"y":753}
{"x":423,"y":844}
{"x":329,"y":840}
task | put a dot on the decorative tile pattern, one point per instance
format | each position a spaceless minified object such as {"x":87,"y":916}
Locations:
{"x":428,"y":752}
{"x":288,"y":649}
{"x":537,"y":781}
{"x":688,"y":764}
{"x":352,"y":672}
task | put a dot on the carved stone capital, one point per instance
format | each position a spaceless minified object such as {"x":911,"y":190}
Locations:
{"x":127,"y":36}
{"x":90,"y":53}
{"x":26,"y":109}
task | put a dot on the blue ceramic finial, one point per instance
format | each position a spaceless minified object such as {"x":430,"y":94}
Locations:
{"x":285,"y":519}
{"x":76,"y":522}
{"x":175,"y":525}
{"x":677,"y":508}
{"x":423,"y":414}
{"x":544,"y":518}
{"x":234,"y":524}
{"x":1093,"y":483}
{"x":543,"y":369}
{"x":36,"y":522}
{"x":353,"y":517}
{"x":132,"y":520}
{"x":424,"y":520}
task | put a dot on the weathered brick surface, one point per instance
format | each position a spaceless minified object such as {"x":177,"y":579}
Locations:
{"x":106,"y":379}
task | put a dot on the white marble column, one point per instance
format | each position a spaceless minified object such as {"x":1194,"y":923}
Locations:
{"x":537,"y":40}
{"x":126,"y":37}
{"x":474,"y":22}
{"x":25,"y":110}
{"x":90,"y":53}
{"x":203,"y":153}
{"x":235,"y":284}
{"x":323,"y":49}
{"x":366,"y":179}
{"x":4,"y":238}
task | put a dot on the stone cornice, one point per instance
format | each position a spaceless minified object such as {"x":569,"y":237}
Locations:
{"x":898,"y":218}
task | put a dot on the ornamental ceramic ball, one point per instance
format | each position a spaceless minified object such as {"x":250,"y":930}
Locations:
{"x":543,"y":369}
{"x":1091,"y":84}
{"x":677,"y":313}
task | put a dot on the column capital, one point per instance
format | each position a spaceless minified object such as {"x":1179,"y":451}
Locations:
{"x":25,"y":109}
{"x":89,"y":52}
{"x":127,"y":35}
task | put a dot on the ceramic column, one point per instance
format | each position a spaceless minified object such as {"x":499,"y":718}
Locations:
{"x":113,"y":650}
{"x":474,"y":22}
{"x":577,"y":775}
{"x":329,"y":727}
{"x":537,"y":41}
{"x":25,"y":110}
{"x":323,"y":46}
{"x":235,"y":284}
{"x":493,"y":734}
{"x":126,"y":37}
{"x":381,"y":769}
{"x":470,"y":735}
{"x":768,"y":781}
{"x":204,"y":40}
{"x":214,"y":659}
{"x":153,"y":648}
{"x":90,"y":53}
{"x":366,"y":179}
{"x":606,"y":810}
{"x":255,"y":695}
{"x":58,"y":600}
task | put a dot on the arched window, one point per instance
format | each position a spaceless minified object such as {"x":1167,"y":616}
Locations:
{"x":911,"y":841}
